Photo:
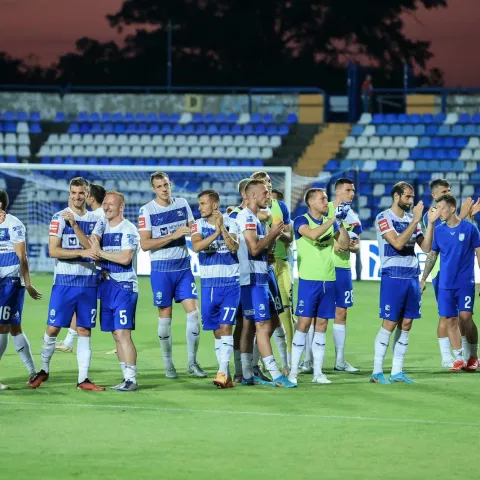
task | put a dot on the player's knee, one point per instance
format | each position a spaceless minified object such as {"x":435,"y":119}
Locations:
{"x":15,"y":330}
{"x":341,"y":315}
{"x":84,"y":332}
{"x":303,"y":324}
{"x":4,"y":329}
{"x":321,"y":325}
{"x":52,"y":331}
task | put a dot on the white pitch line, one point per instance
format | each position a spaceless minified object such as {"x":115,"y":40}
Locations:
{"x":233,"y":412}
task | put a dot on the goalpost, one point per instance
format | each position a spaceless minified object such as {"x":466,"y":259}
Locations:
{"x":37,"y":191}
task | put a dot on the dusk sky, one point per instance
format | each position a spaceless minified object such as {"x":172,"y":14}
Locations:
{"x":49,"y":28}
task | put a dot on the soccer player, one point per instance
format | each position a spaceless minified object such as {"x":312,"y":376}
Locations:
{"x":257,"y":301}
{"x":344,"y":194}
{"x":400,"y":300}
{"x":279,"y":277}
{"x":75,"y":284}
{"x":163,"y":224}
{"x":457,"y":241}
{"x":315,"y":235}
{"x":94,"y":201}
{"x":448,"y":332}
{"x":14,"y":280}
{"x":119,"y":284}
{"x":215,"y":239}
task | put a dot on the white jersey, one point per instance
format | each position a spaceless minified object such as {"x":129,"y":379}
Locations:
{"x":99,"y":212}
{"x":163,"y":221}
{"x":253,"y":270}
{"x":218,"y":266}
{"x":75,"y":272}
{"x":397,"y":263}
{"x":12,"y":231}
{"x":116,"y":239}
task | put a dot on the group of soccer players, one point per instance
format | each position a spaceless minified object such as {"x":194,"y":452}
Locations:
{"x":246,"y":281}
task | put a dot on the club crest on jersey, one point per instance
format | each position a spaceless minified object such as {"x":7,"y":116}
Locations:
{"x":2,"y":234}
{"x":130,"y":238}
{"x":301,"y":303}
{"x":261,"y":307}
{"x":461,"y":237}
{"x":158,"y":296}
{"x":52,"y":313}
{"x":180,"y":213}
{"x":116,"y":239}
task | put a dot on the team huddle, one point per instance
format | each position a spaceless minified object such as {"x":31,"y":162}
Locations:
{"x":245,"y":259}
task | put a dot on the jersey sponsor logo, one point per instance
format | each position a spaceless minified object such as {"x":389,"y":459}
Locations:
{"x":72,"y":241}
{"x":141,"y":222}
{"x":383,"y":225}
{"x":180,"y":213}
{"x":131,"y":238}
{"x":164,"y":231}
{"x":54,"y":227}
{"x":194,"y":228}
{"x":461,"y":237}
{"x":250,"y":226}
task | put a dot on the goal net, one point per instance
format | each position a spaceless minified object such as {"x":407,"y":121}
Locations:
{"x":38,"y":191}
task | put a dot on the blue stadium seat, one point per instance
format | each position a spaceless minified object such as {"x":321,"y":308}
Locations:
{"x":247,"y":129}
{"x":151,"y":117}
{"x":402,"y":118}
{"x":357,"y":130}
{"x":426,"y":118}
{"x":424,"y":142}
{"x":139,"y":162}
{"x":201,"y":129}
{"x":142,"y":129}
{"x":107,"y":128}
{"x":21,"y":116}
{"x":166,"y":129}
{"x":292,"y":118}
{"x":260,"y":129}
{"x":453,"y":154}
{"x":220,"y":118}
{"x":92,"y":161}
{"x":431,"y":130}
{"x":154,"y":129}
{"x":415,"y":154}
{"x":415,"y":118}
{"x":428,"y":154}
{"x":10,"y":127}
{"x":8,"y":116}
{"x":421,"y":165}
{"x":332,"y":166}
{"x":268,"y":118}
{"x":34,"y":117}
{"x":458,"y":167}
{"x":245,"y":162}
{"x":106,"y":117}
{"x":408,"y":130}
{"x":117,"y":117}
{"x":209,"y":118}
{"x":444,"y":130}
{"x":439,"y":118}
{"x":233,"y":118}
{"x":212,"y":130}
{"x":60,"y":117}
{"x":128,"y":117}
{"x":35,"y":128}
{"x":258,"y":162}
{"x":140,"y":117}
{"x":174,"y":118}
{"x":469,"y":130}
{"x":94,"y":117}
{"x":464,"y":118}
{"x":449,"y":142}
{"x":119,"y":128}
{"x":384,"y":129}
{"x":476,"y":118}
{"x":461,"y":142}
{"x":163,"y":118}
{"x":459,"y":129}
{"x":224,"y":129}
{"x":390,"y":118}
{"x":378,"y":119}
{"x":436,"y":142}
{"x":94,"y":129}
{"x":419,"y":130}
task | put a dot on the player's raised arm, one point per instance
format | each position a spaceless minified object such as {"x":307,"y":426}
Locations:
{"x":256,"y":245}
{"x":396,"y":240}
{"x":425,"y":242}
{"x":199,"y":243}
{"x":230,"y":237}
{"x":342,"y":237}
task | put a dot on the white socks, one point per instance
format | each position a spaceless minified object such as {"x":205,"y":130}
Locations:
{"x":466,"y":348}
{"x":308,"y":345}
{"x":84,"y":356}
{"x":22,"y":346}
{"x":122,"y":366}
{"x":218,"y":342}
{"x":165,"y":337}
{"x":318,"y":351}
{"x":48,"y":349}
{"x":271,"y":366}
{"x":339,"y":336}
{"x":256,"y":353}
{"x":3,"y":343}
{"x":399,"y":352}
{"x":298,"y":346}
{"x":131,"y":373}
{"x":226,"y":349}
{"x":246,"y":365}
{"x":381,"y":345}
{"x":70,"y":338}
{"x":444,"y":344}
{"x":193,"y":336}
{"x":281,"y":343}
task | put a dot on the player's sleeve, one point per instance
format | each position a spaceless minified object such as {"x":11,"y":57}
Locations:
{"x":425,"y":220}
{"x":190,"y":217}
{"x":144,"y":223}
{"x":57,"y":225}
{"x":336,"y":227}
{"x":196,"y":229}
{"x":383,"y":224}
{"x":297,"y":223}
{"x":17,"y":232}
{"x":234,"y":228}
{"x":285,"y":212}
{"x":99,"y":228}
{"x":419,"y":231}
{"x":233,"y":215}
{"x":246,"y":222}
{"x":475,"y":236}
{"x":130,"y":240}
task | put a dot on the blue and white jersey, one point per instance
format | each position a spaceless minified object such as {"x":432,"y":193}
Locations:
{"x":124,"y":236}
{"x":218,"y":266}
{"x":397,"y":263}
{"x":75,"y":272}
{"x":253,"y":270}
{"x":12,"y":231}
{"x":163,"y":221}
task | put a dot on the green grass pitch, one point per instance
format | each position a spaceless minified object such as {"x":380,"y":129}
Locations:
{"x":186,"y":428}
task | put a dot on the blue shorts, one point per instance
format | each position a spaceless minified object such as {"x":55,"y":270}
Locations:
{"x":65,"y":301}
{"x":399,"y":298}
{"x":257,"y":302}
{"x":435,"y":283}
{"x":118,"y":303}
{"x":343,"y":288}
{"x":12,"y":296}
{"x":167,"y":286}
{"x":315,"y":299}
{"x":275,"y":291}
{"x":219,"y":306}
{"x":454,"y":300}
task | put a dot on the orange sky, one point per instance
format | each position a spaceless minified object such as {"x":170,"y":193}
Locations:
{"x":34,"y":27}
